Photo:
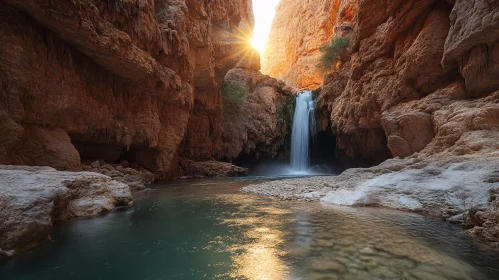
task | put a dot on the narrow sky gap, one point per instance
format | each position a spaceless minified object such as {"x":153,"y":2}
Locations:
{"x":264,"y":11}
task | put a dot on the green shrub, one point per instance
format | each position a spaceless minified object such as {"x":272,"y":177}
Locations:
{"x":233,"y":92}
{"x":287,"y":110}
{"x":233,"y":96}
{"x":332,"y":51}
{"x":160,"y":14}
{"x":316,"y":93}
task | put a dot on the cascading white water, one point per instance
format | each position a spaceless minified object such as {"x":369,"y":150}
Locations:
{"x":303,"y":120}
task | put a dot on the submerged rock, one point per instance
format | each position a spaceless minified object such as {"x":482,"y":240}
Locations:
{"x":33,"y":198}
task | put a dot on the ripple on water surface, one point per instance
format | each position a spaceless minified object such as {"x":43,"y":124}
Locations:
{"x":206,"y":229}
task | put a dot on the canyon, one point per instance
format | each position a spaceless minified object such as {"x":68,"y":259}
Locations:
{"x":130,"y":81}
{"x":99,"y":98}
{"x":416,"y":92}
{"x":128,"y":89}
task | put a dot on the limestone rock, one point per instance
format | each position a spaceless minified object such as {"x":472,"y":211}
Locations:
{"x":259,"y":125}
{"x":193,"y":169}
{"x":41,"y":146}
{"x":299,"y":29}
{"x":136,"y":178}
{"x":33,"y":198}
{"x":128,"y":79}
{"x":404,"y":53}
{"x":486,"y":224}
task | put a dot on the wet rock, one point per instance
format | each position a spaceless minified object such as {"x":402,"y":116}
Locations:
{"x":327,"y":265}
{"x":457,"y":219}
{"x":124,"y":163}
{"x":33,"y":198}
{"x":136,"y":179}
{"x":423,"y":275}
{"x":367,"y":251}
{"x":136,"y":186}
{"x":211,"y":169}
{"x":485,"y":224}
{"x":383,"y":272}
{"x":399,"y":263}
{"x":95,"y":164}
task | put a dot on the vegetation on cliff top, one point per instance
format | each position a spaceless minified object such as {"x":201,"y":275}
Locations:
{"x":331,"y":52}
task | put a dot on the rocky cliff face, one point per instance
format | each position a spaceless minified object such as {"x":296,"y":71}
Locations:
{"x":117,"y":80}
{"x":419,"y":83}
{"x":258,"y":125}
{"x":400,"y":51}
{"x":299,"y":29}
{"x":410,"y":65}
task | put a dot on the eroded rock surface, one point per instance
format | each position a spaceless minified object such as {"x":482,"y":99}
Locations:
{"x":135,"y":177}
{"x":209,"y":169}
{"x":405,"y":64}
{"x":255,"y":123}
{"x":33,"y":198}
{"x":299,"y":29}
{"x":418,"y":83}
{"x":485,"y":224}
{"x":120,"y":79}
{"x":259,"y":124}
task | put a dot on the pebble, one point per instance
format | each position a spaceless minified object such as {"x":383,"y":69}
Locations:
{"x":383,"y":272}
{"x":367,"y":251}
{"x":327,"y":265}
{"x":423,"y":275}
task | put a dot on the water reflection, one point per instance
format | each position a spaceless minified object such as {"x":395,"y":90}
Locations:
{"x":341,"y":243}
{"x":259,"y":257}
{"x":209,"y":230}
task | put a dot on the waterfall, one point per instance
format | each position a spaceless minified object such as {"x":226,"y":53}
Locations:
{"x":303,"y":130}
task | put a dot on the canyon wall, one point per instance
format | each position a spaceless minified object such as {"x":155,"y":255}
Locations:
{"x":299,"y":29}
{"x":418,"y":83}
{"x":407,"y":67}
{"x":117,"y":80}
{"x":258,"y":125}
{"x":406,"y":60}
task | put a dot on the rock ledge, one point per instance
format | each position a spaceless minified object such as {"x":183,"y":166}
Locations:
{"x":33,"y":198}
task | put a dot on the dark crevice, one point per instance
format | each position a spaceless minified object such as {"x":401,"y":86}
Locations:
{"x":137,"y":155}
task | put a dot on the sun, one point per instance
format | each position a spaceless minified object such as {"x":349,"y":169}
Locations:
{"x":258,"y":43}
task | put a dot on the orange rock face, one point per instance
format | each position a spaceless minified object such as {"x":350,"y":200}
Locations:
{"x":407,"y":64}
{"x":260,"y":124}
{"x":299,"y":29}
{"x":127,"y":80}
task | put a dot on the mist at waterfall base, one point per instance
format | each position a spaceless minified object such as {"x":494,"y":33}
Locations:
{"x":311,"y":155}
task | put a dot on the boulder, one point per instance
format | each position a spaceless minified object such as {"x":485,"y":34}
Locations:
{"x":34,"y":198}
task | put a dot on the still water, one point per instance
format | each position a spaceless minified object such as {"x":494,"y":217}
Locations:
{"x":207,"y":229}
